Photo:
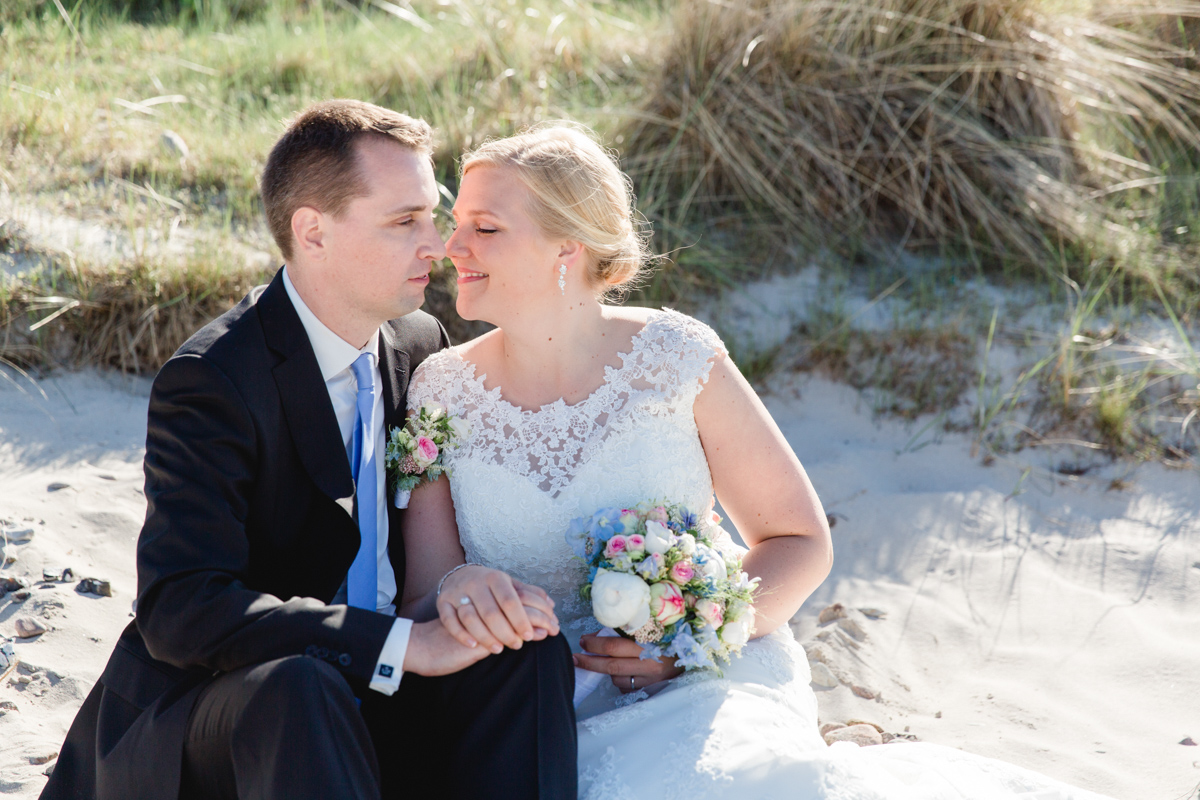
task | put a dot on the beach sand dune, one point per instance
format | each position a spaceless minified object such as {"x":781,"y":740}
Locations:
{"x":1045,"y":619}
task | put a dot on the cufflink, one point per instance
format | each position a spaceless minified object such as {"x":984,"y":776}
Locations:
{"x":385,"y":670}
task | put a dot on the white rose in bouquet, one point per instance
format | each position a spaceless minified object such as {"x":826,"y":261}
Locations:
{"x":687,"y":543}
{"x":709,"y":563}
{"x":658,"y":537}
{"x":620,"y":600}
{"x":460,"y":427}
{"x":737,"y":633}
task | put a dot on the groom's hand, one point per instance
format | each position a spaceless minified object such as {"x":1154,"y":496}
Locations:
{"x":620,"y":658}
{"x":433,"y":651}
{"x":499,"y":611}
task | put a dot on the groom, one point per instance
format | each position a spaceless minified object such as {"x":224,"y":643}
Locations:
{"x":266,"y":660}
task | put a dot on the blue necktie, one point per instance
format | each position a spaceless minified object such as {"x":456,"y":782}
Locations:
{"x":363,"y":579}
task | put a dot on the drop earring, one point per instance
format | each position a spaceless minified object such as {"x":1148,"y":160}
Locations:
{"x":562,"y":279}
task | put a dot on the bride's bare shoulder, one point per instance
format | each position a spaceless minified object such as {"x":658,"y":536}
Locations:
{"x":628,"y":319}
{"x":478,"y":347}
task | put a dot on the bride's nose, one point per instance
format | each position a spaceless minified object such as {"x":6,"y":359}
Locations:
{"x":454,"y":245}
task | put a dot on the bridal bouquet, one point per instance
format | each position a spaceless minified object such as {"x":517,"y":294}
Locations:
{"x":414,"y":453}
{"x":657,"y":577}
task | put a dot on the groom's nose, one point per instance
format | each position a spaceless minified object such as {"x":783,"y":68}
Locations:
{"x":433,"y":247}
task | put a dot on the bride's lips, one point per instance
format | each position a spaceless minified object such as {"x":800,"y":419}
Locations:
{"x":470,"y":277}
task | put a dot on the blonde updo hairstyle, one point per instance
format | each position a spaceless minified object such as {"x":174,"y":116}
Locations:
{"x":578,"y":193}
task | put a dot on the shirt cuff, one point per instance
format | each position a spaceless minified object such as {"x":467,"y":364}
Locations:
{"x":388,"y":669}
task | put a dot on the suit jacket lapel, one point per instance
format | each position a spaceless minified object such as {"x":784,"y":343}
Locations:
{"x":305,"y":399}
{"x":393,"y":366}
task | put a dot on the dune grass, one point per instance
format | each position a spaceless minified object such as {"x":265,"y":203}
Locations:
{"x":1015,"y":139}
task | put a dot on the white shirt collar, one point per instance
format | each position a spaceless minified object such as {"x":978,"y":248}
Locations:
{"x":334,"y":354}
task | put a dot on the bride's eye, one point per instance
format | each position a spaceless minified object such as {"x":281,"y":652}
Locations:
{"x":485,"y":230}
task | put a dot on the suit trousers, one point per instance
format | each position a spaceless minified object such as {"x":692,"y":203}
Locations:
{"x":291,"y":728}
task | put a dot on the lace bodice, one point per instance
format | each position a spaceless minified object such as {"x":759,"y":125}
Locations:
{"x":523,"y":475}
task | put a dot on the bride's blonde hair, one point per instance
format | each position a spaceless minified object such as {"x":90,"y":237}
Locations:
{"x":579,"y":193}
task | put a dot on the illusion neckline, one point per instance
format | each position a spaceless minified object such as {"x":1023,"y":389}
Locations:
{"x":495,"y":393}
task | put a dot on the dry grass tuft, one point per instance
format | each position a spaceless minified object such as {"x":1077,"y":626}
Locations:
{"x":131,"y":317}
{"x":906,"y":373}
{"x":951,"y":123}
{"x":134,"y":316}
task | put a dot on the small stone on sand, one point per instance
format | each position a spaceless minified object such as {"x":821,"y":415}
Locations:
{"x":8,"y":705}
{"x":1189,"y":742}
{"x":861,"y":735}
{"x":28,"y":627}
{"x":13,"y":584}
{"x":863,"y":692}
{"x":17,"y":535}
{"x":44,"y":759}
{"x":865,"y":722}
{"x":853,"y":627}
{"x":823,"y":676}
{"x":831,"y":726}
{"x":56,"y":486}
{"x":95,"y":586}
{"x":831,"y":613}
{"x":873,"y":613}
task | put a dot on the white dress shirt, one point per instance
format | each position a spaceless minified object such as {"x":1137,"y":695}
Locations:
{"x":334,"y":356}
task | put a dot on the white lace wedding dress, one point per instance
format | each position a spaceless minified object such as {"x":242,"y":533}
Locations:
{"x":524,"y":475}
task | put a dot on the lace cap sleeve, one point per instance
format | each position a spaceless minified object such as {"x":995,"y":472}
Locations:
{"x":678,"y":353}
{"x":432,"y":381}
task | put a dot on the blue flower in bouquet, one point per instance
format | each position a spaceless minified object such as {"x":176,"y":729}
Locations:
{"x":606,"y":524}
{"x":649,"y":568}
{"x":706,"y":636}
{"x":578,"y":533}
{"x":688,"y":652}
{"x":687,"y":519}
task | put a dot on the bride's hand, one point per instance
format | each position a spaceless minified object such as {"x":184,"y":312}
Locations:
{"x":496,"y":615}
{"x":619,"y":657}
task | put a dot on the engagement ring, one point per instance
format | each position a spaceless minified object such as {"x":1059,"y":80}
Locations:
{"x":464,"y":601}
{"x":631,"y":686}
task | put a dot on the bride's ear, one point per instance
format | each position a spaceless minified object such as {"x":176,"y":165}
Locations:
{"x":571,"y":253}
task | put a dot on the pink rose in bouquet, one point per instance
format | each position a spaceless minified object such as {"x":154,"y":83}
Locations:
{"x":666,"y":603}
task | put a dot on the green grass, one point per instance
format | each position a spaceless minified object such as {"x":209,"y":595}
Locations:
{"x":472,"y":69}
{"x":842,"y":134}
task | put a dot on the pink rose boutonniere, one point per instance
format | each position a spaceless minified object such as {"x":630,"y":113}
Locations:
{"x":416,"y":452}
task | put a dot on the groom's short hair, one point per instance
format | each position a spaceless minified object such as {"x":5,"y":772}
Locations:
{"x":314,"y":163}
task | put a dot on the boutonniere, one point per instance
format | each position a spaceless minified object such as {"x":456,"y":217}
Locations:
{"x":416,"y":452}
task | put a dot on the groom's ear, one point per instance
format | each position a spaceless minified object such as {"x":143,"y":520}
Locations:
{"x":308,"y":231}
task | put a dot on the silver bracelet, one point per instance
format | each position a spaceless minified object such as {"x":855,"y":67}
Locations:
{"x":448,"y":574}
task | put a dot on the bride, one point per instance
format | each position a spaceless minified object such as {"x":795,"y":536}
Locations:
{"x":574,"y":406}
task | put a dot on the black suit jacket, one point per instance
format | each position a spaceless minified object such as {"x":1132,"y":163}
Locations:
{"x":250,"y":530}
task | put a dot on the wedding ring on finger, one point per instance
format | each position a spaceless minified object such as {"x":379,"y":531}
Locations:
{"x":631,"y":686}
{"x":464,"y":601}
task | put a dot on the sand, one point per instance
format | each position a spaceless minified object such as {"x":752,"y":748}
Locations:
{"x":1030,"y":616}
